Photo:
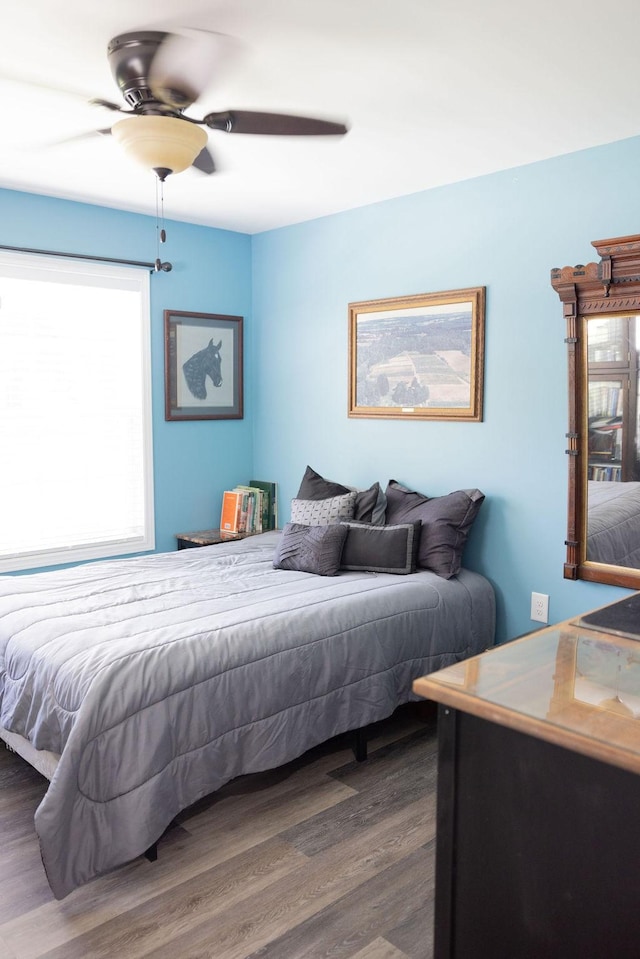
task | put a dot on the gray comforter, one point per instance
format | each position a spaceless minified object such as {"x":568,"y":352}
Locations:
{"x":160,"y":678}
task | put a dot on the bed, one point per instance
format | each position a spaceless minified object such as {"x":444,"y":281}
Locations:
{"x":138,"y":686}
{"x":613,"y":523}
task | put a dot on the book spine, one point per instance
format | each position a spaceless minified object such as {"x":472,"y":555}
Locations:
{"x":266,"y":510}
{"x":259,"y":508}
{"x":229,"y":514}
{"x":269,"y":504}
{"x":242,"y":517}
{"x":250,"y":509}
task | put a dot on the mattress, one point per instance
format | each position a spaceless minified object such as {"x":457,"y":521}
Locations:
{"x":42,"y":760}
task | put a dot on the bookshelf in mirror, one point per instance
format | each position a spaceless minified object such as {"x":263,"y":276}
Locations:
{"x":612,"y":385}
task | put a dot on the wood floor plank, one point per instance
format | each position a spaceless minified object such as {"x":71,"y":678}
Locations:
{"x":5,"y":951}
{"x":166,"y":918}
{"x":379,"y":949}
{"x":365,"y":913}
{"x":414,"y":935}
{"x":23,"y":884}
{"x":399,"y":785}
{"x":392,"y":755}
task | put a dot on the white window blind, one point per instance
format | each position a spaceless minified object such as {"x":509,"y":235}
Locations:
{"x":75,"y":411}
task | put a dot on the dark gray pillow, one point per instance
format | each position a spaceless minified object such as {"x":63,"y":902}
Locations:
{"x":381,"y":549}
{"x":314,"y":486}
{"x":370,"y":503}
{"x":311,"y":549}
{"x":446,"y":522}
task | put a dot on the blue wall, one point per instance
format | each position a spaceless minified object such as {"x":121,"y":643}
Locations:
{"x":293,"y":286}
{"x":194,"y":461}
{"x":505,"y":231}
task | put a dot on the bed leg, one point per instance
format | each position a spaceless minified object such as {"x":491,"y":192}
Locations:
{"x":152,"y":852}
{"x":360,"y":745}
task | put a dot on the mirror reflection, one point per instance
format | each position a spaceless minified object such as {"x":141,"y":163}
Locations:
{"x":607,"y":676}
{"x":613,"y":440}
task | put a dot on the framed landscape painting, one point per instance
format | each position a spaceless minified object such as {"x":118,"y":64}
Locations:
{"x":418,"y":357}
{"x":203,"y":366}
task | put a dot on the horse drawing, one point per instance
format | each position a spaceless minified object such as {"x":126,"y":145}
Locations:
{"x":206,"y":362}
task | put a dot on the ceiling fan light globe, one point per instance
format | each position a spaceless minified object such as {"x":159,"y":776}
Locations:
{"x":160,"y":142}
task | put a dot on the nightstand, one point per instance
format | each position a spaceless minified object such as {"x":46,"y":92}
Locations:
{"x":205,"y":537}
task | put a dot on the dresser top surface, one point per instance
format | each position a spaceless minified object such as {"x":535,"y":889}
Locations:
{"x":567,"y":684}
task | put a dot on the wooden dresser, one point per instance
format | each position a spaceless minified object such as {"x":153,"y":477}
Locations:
{"x":538,"y":841}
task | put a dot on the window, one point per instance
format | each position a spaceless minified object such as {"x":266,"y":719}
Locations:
{"x":75,"y":411}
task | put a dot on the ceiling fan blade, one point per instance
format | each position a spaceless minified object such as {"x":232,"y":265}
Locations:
{"x":99,"y":102}
{"x":204,"y":162}
{"x":272,"y":124}
{"x":184,"y":65}
{"x":88,"y":135}
{"x":46,"y":88}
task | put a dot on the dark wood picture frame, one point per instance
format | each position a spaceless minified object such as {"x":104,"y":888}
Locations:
{"x":203,"y":366}
{"x":418,"y":357}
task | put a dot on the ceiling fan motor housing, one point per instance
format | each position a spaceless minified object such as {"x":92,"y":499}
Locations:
{"x":130,"y":56}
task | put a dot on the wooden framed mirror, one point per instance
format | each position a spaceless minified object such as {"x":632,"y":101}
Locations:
{"x":601,"y":305}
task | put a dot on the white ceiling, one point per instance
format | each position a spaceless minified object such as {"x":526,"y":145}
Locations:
{"x":434,"y":91}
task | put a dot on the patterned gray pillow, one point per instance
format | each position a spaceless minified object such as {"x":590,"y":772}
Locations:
{"x":310,"y":549}
{"x":322,"y":512}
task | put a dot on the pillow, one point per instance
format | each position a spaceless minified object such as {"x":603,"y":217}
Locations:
{"x":310,"y":549}
{"x":323,"y":511}
{"x":381,"y":549}
{"x":446,"y":522}
{"x":314,"y":486}
{"x":370,"y":503}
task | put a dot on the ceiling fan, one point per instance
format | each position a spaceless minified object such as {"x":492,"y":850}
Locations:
{"x":160,"y":75}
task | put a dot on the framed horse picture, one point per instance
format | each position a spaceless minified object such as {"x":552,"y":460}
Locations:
{"x":203,"y":366}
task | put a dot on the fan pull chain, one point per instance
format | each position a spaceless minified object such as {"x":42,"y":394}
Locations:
{"x":161,"y":233}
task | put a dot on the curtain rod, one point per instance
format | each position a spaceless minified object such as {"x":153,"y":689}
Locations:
{"x":154,"y":267}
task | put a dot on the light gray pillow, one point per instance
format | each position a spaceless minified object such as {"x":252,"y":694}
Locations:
{"x":310,"y":549}
{"x":381,"y":549}
{"x":321,"y":512}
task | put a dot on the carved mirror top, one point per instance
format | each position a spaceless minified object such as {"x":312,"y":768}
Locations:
{"x":610,"y":285}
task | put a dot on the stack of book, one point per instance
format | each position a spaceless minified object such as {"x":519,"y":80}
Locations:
{"x":248,"y":509}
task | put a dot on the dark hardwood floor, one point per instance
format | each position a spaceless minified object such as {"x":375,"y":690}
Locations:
{"x":325,"y":857}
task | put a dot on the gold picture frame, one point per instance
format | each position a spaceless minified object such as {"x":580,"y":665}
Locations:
{"x":418,"y":357}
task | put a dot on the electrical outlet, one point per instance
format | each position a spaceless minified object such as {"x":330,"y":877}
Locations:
{"x":540,"y":607}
